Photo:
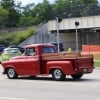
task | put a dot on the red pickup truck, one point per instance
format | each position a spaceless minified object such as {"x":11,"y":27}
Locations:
{"x":43,"y":59}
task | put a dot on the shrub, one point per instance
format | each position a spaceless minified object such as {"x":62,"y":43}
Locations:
{"x":16,"y":37}
{"x":4,"y":41}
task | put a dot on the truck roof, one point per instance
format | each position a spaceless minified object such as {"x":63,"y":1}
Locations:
{"x":36,"y":45}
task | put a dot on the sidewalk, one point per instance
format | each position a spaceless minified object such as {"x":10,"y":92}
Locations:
{"x":97,"y":68}
{"x":97,"y":60}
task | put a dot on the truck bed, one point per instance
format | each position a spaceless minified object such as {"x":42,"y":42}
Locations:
{"x":64,"y":55}
{"x":82,"y":63}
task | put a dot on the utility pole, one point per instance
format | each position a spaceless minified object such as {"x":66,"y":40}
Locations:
{"x":58,"y":19}
{"x":76,"y":24}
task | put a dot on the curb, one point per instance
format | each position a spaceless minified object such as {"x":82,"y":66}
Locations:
{"x":97,"y":68}
{"x":97,"y":60}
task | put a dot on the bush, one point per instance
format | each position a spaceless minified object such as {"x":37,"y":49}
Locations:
{"x":31,"y":30}
{"x":16,"y":37}
{"x":23,"y":35}
{"x":4,"y":42}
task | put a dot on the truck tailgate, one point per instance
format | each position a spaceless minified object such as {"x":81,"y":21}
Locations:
{"x":85,"y":65}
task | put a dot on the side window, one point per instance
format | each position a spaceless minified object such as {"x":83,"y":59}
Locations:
{"x":48,"y":50}
{"x":31,"y":51}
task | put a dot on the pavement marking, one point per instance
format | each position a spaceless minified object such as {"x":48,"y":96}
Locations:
{"x":9,"y":98}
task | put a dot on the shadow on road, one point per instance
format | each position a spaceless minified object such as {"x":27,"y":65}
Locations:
{"x":66,"y":79}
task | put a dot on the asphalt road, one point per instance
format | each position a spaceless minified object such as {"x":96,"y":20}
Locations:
{"x":45,"y":88}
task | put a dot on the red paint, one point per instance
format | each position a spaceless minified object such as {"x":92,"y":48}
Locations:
{"x":36,"y":65}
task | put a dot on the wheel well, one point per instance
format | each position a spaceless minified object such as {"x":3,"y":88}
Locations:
{"x":50,"y":71}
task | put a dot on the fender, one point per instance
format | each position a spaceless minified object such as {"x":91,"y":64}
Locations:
{"x":8,"y":64}
{"x":65,"y":66}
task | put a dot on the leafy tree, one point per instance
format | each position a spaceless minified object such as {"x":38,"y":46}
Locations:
{"x":27,"y":17}
{"x":27,"y":10}
{"x":26,"y":21}
{"x":3,"y":15}
{"x":14,"y":10}
{"x":85,"y":2}
{"x":36,"y":14}
{"x":72,"y":8}
{"x":43,"y":11}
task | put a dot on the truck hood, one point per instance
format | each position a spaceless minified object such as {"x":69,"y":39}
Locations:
{"x":18,"y":57}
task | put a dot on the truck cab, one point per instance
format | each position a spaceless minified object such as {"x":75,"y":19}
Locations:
{"x":43,"y":59}
{"x":33,"y":58}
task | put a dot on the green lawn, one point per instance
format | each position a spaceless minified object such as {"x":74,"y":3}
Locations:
{"x":96,"y":57}
{"x":97,"y":64}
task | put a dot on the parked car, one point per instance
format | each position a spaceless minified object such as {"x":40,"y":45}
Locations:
{"x":20,"y":48}
{"x":8,"y":53}
{"x":61,"y":47}
{"x":2,"y":47}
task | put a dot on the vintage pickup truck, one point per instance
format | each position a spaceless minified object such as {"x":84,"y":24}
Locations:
{"x":43,"y":59}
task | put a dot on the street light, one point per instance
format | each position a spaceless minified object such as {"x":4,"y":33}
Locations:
{"x":58,"y":19}
{"x":76,"y":24}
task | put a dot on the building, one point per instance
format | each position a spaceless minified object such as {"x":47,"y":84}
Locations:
{"x":88,"y":32}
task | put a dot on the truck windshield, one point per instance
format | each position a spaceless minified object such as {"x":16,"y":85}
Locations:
{"x":48,"y":50}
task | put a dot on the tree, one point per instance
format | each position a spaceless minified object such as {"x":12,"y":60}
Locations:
{"x":26,"y":21}
{"x":27,"y":10}
{"x":27,"y":17}
{"x":3,"y":15}
{"x":72,"y":8}
{"x":14,"y":10}
{"x":43,"y":11}
{"x":46,"y":14}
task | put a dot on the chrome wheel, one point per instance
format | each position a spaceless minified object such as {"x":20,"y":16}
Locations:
{"x":58,"y":75}
{"x":11,"y":73}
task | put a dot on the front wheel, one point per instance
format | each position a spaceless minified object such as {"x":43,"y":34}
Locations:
{"x":58,"y":75}
{"x":11,"y":73}
{"x":76,"y":76}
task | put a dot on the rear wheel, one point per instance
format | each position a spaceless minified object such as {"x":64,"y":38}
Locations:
{"x":11,"y":73}
{"x":76,"y":76}
{"x":58,"y":75}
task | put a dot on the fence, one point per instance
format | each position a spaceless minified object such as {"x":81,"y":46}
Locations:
{"x":90,"y":48}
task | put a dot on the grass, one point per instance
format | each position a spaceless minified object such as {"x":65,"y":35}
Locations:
{"x":96,"y":64}
{"x":16,"y":37}
{"x":96,"y":57}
